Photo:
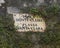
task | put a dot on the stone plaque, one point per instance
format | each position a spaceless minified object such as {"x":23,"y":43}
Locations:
{"x":27,"y":22}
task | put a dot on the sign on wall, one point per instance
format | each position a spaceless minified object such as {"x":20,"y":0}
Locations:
{"x":27,"y":22}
